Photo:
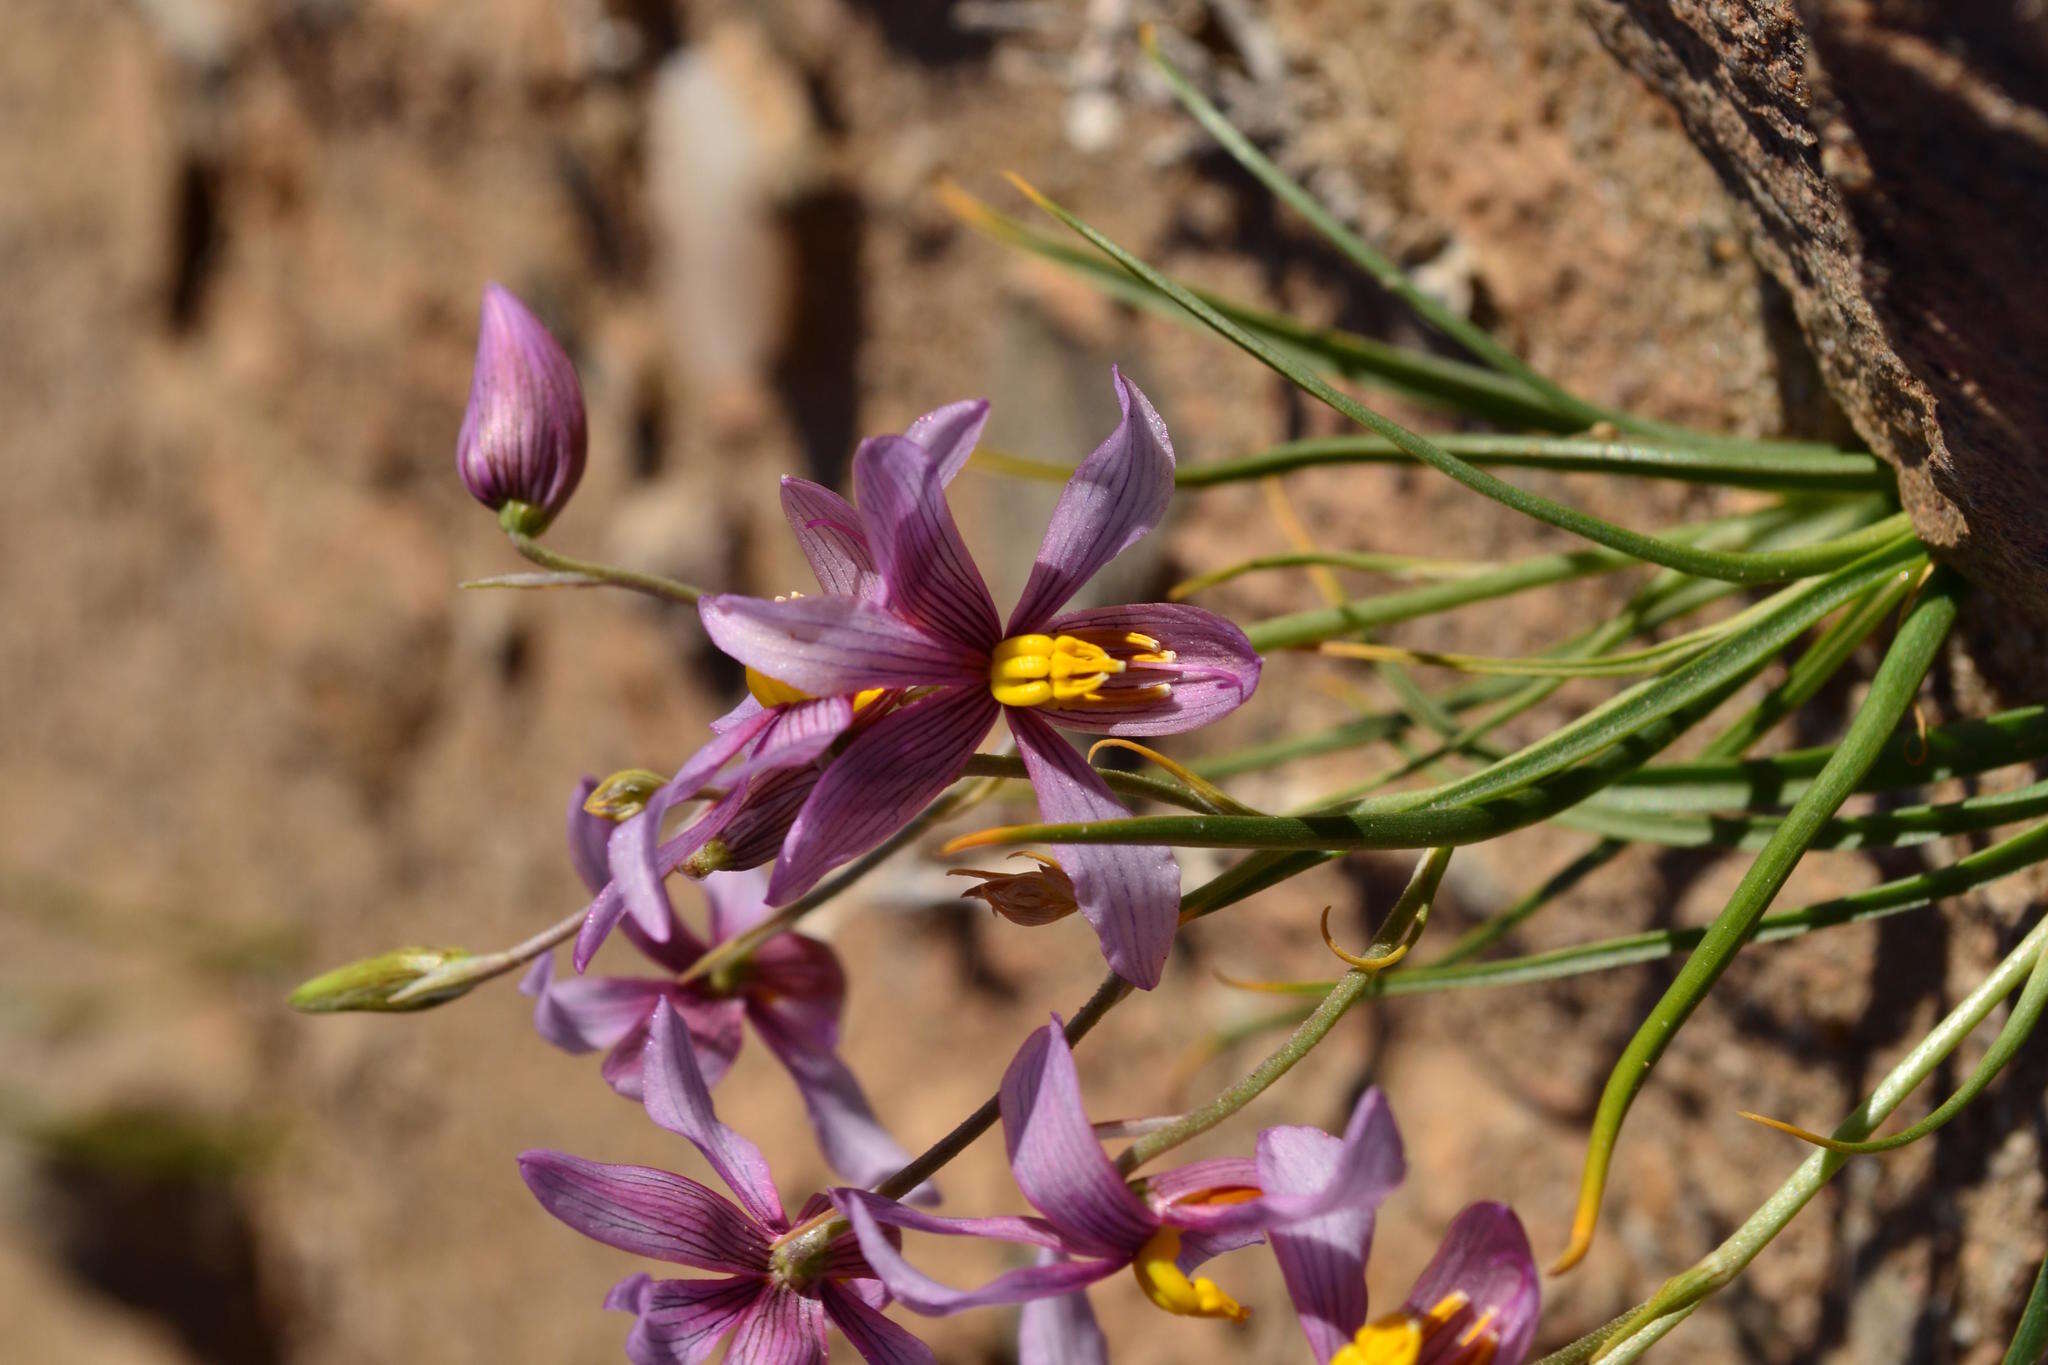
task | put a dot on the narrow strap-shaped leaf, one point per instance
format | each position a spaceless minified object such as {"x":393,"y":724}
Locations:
{"x":1885,"y":829}
{"x":1484,"y":804}
{"x":1626,"y":1338}
{"x":1958,"y":749}
{"x":1467,"y":389}
{"x":2019,"y":1026}
{"x":1731,"y":566}
{"x":2030,"y":1337}
{"x":1892,"y":690}
{"x":1783,"y":468}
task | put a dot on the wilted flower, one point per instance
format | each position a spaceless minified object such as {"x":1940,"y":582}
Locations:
{"x":791,"y":989}
{"x":1043,"y":895}
{"x":1094,"y":1223}
{"x":767,"y":752}
{"x":771,"y":1308}
{"x":523,"y":438}
{"x":1128,"y":670}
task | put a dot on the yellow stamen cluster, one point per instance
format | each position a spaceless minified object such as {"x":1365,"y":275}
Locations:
{"x":1033,"y":670}
{"x":1166,"y":1286}
{"x":1398,"y":1338}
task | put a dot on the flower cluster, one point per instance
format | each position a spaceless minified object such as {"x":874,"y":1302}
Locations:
{"x":1310,"y":1196}
{"x":866,"y":700}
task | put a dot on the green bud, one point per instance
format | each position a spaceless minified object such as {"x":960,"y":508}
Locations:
{"x":370,"y":983}
{"x":624,"y":794}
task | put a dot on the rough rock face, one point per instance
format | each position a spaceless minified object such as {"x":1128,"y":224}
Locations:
{"x":1893,"y":161}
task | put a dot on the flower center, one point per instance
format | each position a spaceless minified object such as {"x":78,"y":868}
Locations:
{"x":1398,"y":1338}
{"x":1165,"y":1284}
{"x":1037,"y":670}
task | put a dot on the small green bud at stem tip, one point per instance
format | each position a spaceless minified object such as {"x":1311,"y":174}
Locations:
{"x":371,"y":983}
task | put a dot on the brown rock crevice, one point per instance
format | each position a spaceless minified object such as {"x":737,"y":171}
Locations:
{"x":1891,"y":161}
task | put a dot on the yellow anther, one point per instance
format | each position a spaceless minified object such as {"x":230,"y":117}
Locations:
{"x":1166,"y":1286}
{"x":1398,"y":1338}
{"x":1393,"y":1340}
{"x":1031,"y":670}
{"x":1141,"y":641}
{"x":773,"y":691}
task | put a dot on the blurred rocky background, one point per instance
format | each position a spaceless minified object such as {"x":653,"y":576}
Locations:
{"x":251,"y":727}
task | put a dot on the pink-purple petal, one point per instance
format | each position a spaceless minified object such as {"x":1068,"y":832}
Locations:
{"x":1485,"y":1254}
{"x":584,"y":1014}
{"x":634,"y":853}
{"x":781,"y":1328}
{"x":834,"y":645}
{"x":587,"y":836}
{"x":853,"y":1140}
{"x":798,"y":736}
{"x":1359,"y":1171}
{"x":678,"y":1100}
{"x":921,"y":1293}
{"x":891,"y":1213}
{"x":682,"y":1322}
{"x":1215,"y":671}
{"x":738,"y":901}
{"x":1129,"y":893}
{"x":949,"y":434}
{"x":715,"y":1037}
{"x":1171,"y":1187}
{"x":647,"y":1212}
{"x":1059,"y":1165}
{"x":829,"y":533}
{"x":927,"y":574}
{"x":877,"y":1340}
{"x":1322,"y":1259}
{"x":1115,"y":496}
{"x":1061,"y":1330}
{"x":888,"y":773}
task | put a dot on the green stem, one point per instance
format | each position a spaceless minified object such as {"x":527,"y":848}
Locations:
{"x":1892,"y":690}
{"x":654,"y":585}
{"x":1787,"y":469}
{"x":1734,"y":567}
{"x":1682,"y":1292}
{"x":2030,"y":1337}
{"x":1354,"y":986}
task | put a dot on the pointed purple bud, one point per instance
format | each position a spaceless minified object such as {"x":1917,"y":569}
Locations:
{"x":523,"y":438}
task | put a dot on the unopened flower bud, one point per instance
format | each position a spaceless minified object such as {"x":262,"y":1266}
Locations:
{"x":523,"y":437}
{"x":370,"y":983}
{"x":1043,"y":895}
{"x":624,"y":794}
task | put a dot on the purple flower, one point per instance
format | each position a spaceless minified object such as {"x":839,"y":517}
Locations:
{"x":931,"y":626}
{"x":1475,"y":1303}
{"x":791,"y":989}
{"x":522,"y":444}
{"x":772,"y":1309}
{"x":768,"y":753}
{"x":1092,"y":1223}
